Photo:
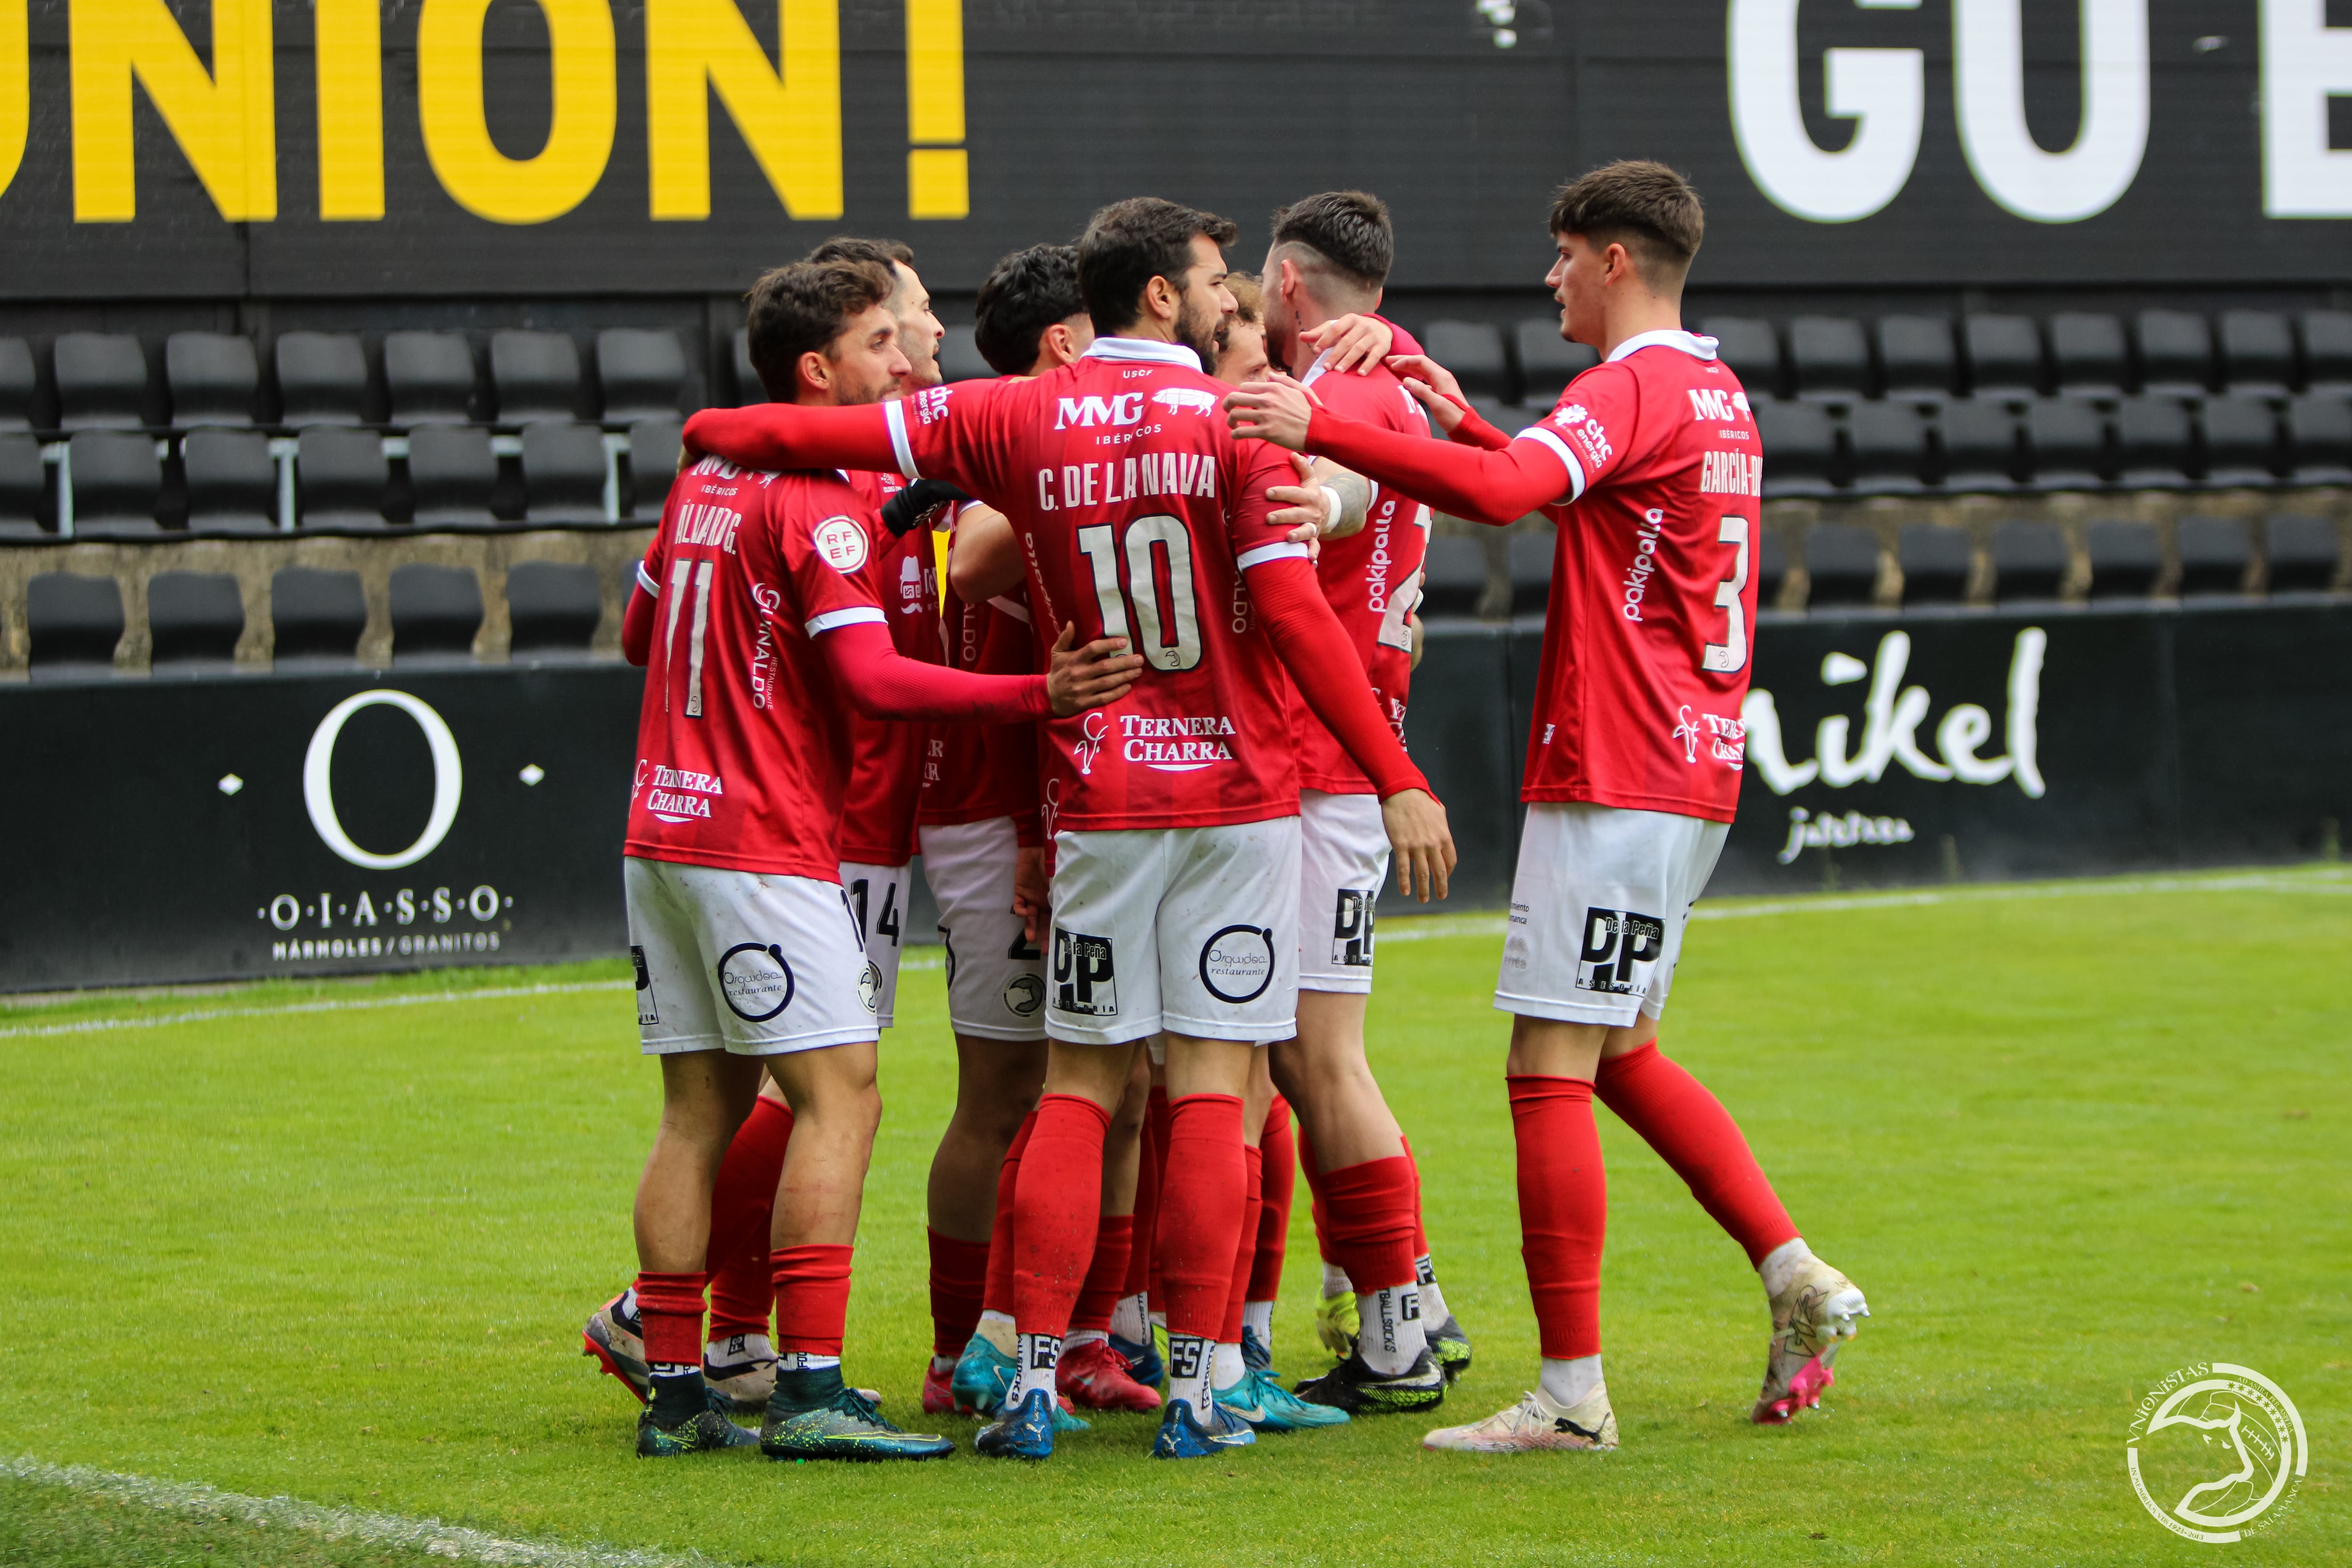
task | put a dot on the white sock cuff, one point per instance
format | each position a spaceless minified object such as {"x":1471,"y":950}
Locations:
{"x":1780,"y":1265}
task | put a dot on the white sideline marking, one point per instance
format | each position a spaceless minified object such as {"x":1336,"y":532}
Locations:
{"x":427,"y":1535}
{"x":354,"y":1005}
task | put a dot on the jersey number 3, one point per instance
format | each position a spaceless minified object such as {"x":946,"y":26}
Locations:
{"x":1171,"y":625}
{"x":1730,"y":655}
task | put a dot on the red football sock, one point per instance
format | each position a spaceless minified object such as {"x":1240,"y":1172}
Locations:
{"x":1105,"y":1276}
{"x":1371,"y":1222}
{"x":1690,"y":1129}
{"x":1419,"y":1220}
{"x":742,"y":1204}
{"x":1059,"y":1205}
{"x":1200,"y":1210}
{"x":1278,"y":1174}
{"x":959,"y":1281}
{"x":669,"y":1308}
{"x":1245,"y":1244}
{"x":1563,"y":1210}
{"x":1162,"y":1122}
{"x":1316,"y":1209}
{"x":998,"y":1297}
{"x":812,"y":1297}
{"x":1146,"y":1206}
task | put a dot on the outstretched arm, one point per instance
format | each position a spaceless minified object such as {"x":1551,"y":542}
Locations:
{"x":883,"y":683}
{"x":1496,"y":488}
{"x":773,"y":436}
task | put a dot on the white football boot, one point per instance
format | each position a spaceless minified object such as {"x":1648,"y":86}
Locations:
{"x":1534,"y":1422}
{"x":1813,"y":1317}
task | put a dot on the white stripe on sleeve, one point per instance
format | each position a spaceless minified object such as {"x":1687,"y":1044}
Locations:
{"x":895,"y":411}
{"x":646,"y":581}
{"x":1560,"y":449}
{"x":855,"y":615}
{"x":1013,"y":607}
{"x":1282,"y":551}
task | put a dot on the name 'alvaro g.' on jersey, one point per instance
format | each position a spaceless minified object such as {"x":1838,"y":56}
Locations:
{"x":1137,"y":512}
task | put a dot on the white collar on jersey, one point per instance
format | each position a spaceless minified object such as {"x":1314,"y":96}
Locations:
{"x":1690,"y":343}
{"x":1314,"y":371}
{"x":1142,"y":350}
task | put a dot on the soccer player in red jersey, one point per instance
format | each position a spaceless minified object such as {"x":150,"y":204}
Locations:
{"x":758,"y":630}
{"x":1649,"y":464}
{"x":1174,"y":811}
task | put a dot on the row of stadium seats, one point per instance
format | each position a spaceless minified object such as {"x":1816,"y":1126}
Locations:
{"x":1922,"y":359}
{"x":123,"y":484}
{"x":2027,"y":561}
{"x":194,"y":619}
{"x":103,"y":381}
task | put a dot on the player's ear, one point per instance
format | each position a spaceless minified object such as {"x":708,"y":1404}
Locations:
{"x":816,"y":372}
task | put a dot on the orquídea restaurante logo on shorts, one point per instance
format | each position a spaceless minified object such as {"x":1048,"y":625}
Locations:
{"x":2216,"y":1452}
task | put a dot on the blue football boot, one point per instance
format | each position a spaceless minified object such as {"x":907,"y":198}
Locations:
{"x":1183,"y":1436}
{"x":1143,"y":1360}
{"x":1267,"y":1407}
{"x":1024,"y":1432}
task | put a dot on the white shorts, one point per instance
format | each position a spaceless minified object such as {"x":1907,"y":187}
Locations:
{"x":996,"y":976}
{"x":748,"y":961}
{"x":1343,"y":863}
{"x":1598,"y":911}
{"x":877,"y":902}
{"x":1191,"y":930}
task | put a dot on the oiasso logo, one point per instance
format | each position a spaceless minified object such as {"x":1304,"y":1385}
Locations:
{"x":2216,"y":1451}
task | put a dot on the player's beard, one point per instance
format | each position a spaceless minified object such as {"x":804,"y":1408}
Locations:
{"x":1196,"y":329}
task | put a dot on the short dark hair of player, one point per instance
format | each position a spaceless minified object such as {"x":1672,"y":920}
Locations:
{"x":1026,"y":292}
{"x":848,"y":247}
{"x":802,"y":307}
{"x":1646,"y":207}
{"x":1249,"y":296}
{"x":1129,"y":243}
{"x":1348,"y":233}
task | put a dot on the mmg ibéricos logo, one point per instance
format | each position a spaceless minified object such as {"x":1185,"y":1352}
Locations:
{"x":2224,"y":1444}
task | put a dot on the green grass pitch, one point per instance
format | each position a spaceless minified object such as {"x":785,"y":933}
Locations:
{"x":2067,"y":1143}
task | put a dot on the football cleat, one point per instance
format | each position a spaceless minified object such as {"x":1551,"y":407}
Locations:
{"x":822,"y":1419}
{"x":1025,"y":1432}
{"x":1812,"y":1318}
{"x":703,"y":1432}
{"x":1337,"y":1323}
{"x":617,"y":1342}
{"x":1356,"y":1388}
{"x":746,"y":1382}
{"x":1451,"y":1347}
{"x":1257,"y":1354}
{"x":1534,"y":1422}
{"x":938,"y":1394}
{"x":982,"y":1376}
{"x":1095,"y":1376}
{"x":1183,"y":1436}
{"x":1143,"y":1360}
{"x":1267,"y":1406}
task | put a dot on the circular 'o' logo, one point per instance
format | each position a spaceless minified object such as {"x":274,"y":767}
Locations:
{"x":1025,"y":993}
{"x":2224,"y":1442}
{"x":318,"y":788}
{"x":1238,"y":963}
{"x":755,"y":981}
{"x":840,"y":542}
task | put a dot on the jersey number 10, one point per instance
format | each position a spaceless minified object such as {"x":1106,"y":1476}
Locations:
{"x":1172,"y":631}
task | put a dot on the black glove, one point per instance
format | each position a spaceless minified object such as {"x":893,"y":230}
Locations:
{"x":903,"y":510}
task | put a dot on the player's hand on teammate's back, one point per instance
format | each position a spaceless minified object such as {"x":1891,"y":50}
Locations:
{"x":1078,"y":679}
{"x":1434,"y":386}
{"x":1276,"y":410}
{"x":1421,"y":843}
{"x":1357,"y":342}
{"x":1305,"y":512}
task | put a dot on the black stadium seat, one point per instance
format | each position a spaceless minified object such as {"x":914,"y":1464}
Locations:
{"x":19,"y":384}
{"x":553,"y":607}
{"x":2319,"y":438}
{"x":2301,"y":553}
{"x":1916,"y":354}
{"x":2242,"y":440}
{"x":2155,"y":442}
{"x":73,"y":624}
{"x":1936,"y":562}
{"x":1770,"y":567}
{"x":21,"y":483}
{"x":1751,"y":349}
{"x":101,"y":381}
{"x":960,"y":357}
{"x":1842,"y":563}
{"x":323,"y":379}
{"x":2004,"y":358}
{"x":436,"y":611}
{"x":1980,"y":441}
{"x":1473,"y":351}
{"x":212,"y":377}
{"x":116,"y":480}
{"x":653,"y":464}
{"x":1454,"y":577}
{"x":232,"y":482}
{"x":642,"y":375}
{"x":2176,"y":354}
{"x":1832,"y":358}
{"x":316,"y":616}
{"x":451,"y":472}
{"x":430,"y":376}
{"x":2327,"y":351}
{"x":2126,"y":559}
{"x":2257,"y":353}
{"x":341,"y":479}
{"x":1799,"y":447}
{"x":193,"y":621}
{"x":562,"y":473}
{"x":2087,"y":347}
{"x":1548,"y":362}
{"x":1890,"y":449}
{"x":2215,"y":555}
{"x":2029,"y":561}
{"x":536,"y":375}
{"x":1531,"y":556}
{"x":2068,"y":443}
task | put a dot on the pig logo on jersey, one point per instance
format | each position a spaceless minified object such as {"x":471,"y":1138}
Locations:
{"x":1620,"y":950}
{"x":841,"y":544}
{"x":1084,"y":979}
{"x":1088,"y":748}
{"x":1177,"y":399}
{"x":1238,"y":963}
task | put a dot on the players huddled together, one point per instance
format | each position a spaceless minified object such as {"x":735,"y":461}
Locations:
{"x":1148,"y":736}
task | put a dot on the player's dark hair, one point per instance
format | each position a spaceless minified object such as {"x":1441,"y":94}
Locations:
{"x":1249,"y":297}
{"x":1348,"y":231}
{"x":1646,"y":207}
{"x":1026,"y":292}
{"x":1129,"y":243}
{"x":848,"y":247}
{"x":802,"y":307}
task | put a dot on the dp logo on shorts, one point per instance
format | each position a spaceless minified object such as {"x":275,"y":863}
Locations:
{"x":2216,"y":1451}
{"x":1619,"y":950}
{"x":1083,"y":975}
